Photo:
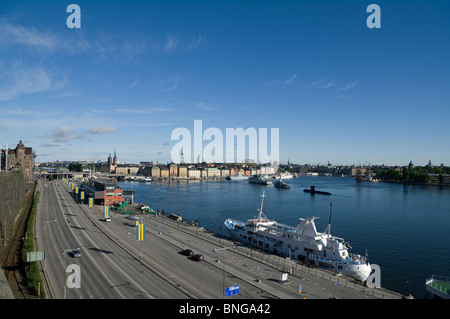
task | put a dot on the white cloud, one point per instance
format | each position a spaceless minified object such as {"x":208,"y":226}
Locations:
{"x":18,"y":80}
{"x":173,"y":87}
{"x":349,"y":86}
{"x":195,"y":43}
{"x":102,"y":130}
{"x":287,"y":81}
{"x":327,"y":84}
{"x":206,"y":107}
{"x":170,"y":44}
{"x":29,"y":36}
{"x":61,"y":134}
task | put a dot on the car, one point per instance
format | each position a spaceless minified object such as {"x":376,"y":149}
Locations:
{"x":76,"y":253}
{"x":198,"y":257}
{"x":188,"y":252}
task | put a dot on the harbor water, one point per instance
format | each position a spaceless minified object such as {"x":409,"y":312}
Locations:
{"x":404,"y":229}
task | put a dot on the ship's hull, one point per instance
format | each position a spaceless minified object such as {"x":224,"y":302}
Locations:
{"x":259,"y":181}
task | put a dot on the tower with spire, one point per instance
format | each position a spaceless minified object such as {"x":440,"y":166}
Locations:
{"x":115,"y":158}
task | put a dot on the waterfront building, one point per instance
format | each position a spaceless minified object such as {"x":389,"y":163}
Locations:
{"x":104,"y":192}
{"x":183,"y":172}
{"x":156,"y":171}
{"x":213,"y":172}
{"x":126,"y":170}
{"x":173,"y":170}
{"x":164,"y":171}
{"x":20,"y":158}
{"x":193,"y":173}
{"x":224,"y":172}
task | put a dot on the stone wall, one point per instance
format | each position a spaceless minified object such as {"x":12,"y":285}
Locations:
{"x":12,"y":196}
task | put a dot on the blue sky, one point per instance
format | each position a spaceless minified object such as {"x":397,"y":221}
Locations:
{"x":136,"y":70}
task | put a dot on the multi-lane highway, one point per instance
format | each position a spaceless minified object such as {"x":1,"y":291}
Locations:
{"x":106,"y":270}
{"x":113,"y":264}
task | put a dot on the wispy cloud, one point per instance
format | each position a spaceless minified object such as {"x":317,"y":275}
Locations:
{"x":287,"y":81}
{"x":195,"y":43}
{"x":328,"y":84}
{"x":19,"y":79}
{"x":206,"y":107}
{"x":30,"y":36}
{"x":170,"y":44}
{"x":102,"y":130}
{"x":61,"y":134}
{"x":168,"y":84}
{"x":348,"y":86}
{"x":173,"y":87}
{"x":143,"y":111}
{"x":133,"y":84}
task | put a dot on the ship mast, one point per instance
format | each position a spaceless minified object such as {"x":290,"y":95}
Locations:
{"x":329,"y":221}
{"x":260,"y":209}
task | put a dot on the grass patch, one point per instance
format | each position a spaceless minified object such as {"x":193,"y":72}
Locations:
{"x":32,"y":270}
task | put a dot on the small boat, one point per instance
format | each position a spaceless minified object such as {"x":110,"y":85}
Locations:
{"x":259,"y":179}
{"x":282,"y":185}
{"x":285,"y":175}
{"x":238,"y":177}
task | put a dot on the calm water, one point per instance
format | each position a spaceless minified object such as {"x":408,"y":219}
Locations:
{"x":405,"y":229}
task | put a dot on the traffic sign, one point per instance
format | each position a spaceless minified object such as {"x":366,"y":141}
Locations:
{"x":35,"y":256}
{"x":229,"y":291}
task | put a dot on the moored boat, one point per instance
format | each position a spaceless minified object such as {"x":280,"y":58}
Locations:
{"x":259,"y":179}
{"x":303,"y":243}
{"x":238,"y":177}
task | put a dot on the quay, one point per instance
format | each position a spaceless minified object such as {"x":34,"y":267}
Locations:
{"x":226,"y":263}
{"x":337,"y":287}
{"x":263,"y":271}
{"x":438,"y":287}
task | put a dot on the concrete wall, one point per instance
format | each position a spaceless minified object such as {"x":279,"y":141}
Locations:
{"x":12,"y":196}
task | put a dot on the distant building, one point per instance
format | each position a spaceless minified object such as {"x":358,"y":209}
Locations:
{"x":213,"y":172}
{"x":182,"y":172}
{"x":20,"y":158}
{"x":224,"y":172}
{"x":156,"y":171}
{"x":111,"y":164}
{"x":164,"y":169}
{"x":173,"y":170}
{"x":193,"y":173}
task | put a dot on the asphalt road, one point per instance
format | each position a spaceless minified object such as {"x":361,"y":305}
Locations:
{"x":106,"y":270}
{"x":114,"y":265}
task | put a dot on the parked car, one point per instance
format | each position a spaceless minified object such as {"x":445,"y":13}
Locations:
{"x":188,"y":252}
{"x":198,"y":257}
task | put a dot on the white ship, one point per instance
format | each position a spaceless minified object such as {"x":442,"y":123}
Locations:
{"x":285,"y":175}
{"x":303,"y":243}
{"x":238,"y":177}
{"x":259,"y":179}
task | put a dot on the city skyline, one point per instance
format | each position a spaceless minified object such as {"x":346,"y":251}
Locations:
{"x":338,"y":91}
